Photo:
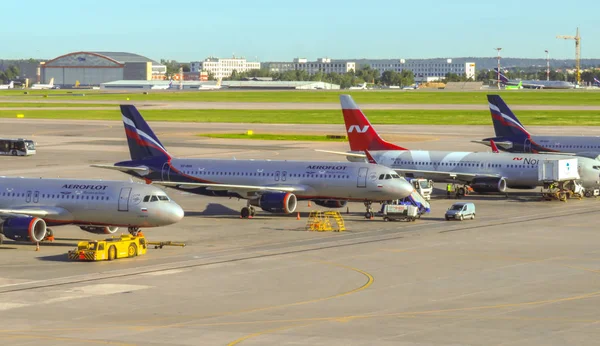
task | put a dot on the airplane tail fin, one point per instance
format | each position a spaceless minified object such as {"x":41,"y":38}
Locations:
{"x":219,"y":81}
{"x":11,"y":85}
{"x":505,"y":122}
{"x":143,"y":143}
{"x":51,"y":82}
{"x":503,"y":78}
{"x":361,"y":134}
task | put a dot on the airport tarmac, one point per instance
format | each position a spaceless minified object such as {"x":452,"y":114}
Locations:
{"x":524,"y":272}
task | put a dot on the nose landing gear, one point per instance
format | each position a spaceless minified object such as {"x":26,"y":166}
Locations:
{"x":369,"y":214}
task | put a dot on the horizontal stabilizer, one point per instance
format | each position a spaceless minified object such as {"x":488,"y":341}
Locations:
{"x":341,"y":153}
{"x":123,"y":168}
{"x":505,"y":145}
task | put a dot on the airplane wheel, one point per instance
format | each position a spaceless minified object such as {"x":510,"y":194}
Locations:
{"x":245,"y":212}
{"x":132,"y":250}
{"x":368,"y":215}
{"x":112,"y":253}
{"x":461,"y":191}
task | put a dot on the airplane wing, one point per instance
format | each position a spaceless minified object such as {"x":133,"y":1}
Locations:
{"x":342,"y":153}
{"x":445,"y":175}
{"x":232,"y":187}
{"x":123,"y":168}
{"x":54,"y":212}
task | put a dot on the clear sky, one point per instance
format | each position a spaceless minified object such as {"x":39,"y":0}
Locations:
{"x":189,"y":30}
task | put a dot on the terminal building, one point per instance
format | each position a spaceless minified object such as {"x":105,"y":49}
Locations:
{"x":94,"y":68}
{"x":223,"y":68}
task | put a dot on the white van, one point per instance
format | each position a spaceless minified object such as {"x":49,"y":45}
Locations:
{"x":460,"y":211}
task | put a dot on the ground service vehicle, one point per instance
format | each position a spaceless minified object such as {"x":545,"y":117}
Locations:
{"x":423,"y":186}
{"x":460,"y":211}
{"x":400,"y":212}
{"x":17,"y":147}
{"x":126,"y":245}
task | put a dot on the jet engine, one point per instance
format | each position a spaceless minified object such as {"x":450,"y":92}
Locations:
{"x":489,"y":184}
{"x":276,"y":202}
{"x":330,"y":203}
{"x":24,"y":228}
{"x":100,"y":229}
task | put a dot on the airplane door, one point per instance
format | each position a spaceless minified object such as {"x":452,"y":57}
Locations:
{"x":283,"y":175}
{"x":277,"y":176}
{"x":36,"y":197}
{"x":124,"y":199}
{"x":362,"y":177}
{"x":28,"y":198}
{"x":166,"y":171}
{"x":527,"y":145}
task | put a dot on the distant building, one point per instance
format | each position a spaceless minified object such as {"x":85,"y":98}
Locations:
{"x":94,"y":68}
{"x":325,"y":65}
{"x":196,"y":85}
{"x":425,"y":70}
{"x":223,"y":68}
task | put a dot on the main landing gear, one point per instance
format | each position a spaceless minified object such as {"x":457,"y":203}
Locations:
{"x":247,"y":212}
{"x":134,"y":231}
{"x":369,"y":214}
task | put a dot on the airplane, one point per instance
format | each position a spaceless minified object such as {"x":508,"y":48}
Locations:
{"x":211,"y":86}
{"x":596,"y":82}
{"x":482,"y":171}
{"x":535,"y":84}
{"x":514,"y":87}
{"x":39,"y":86}
{"x":274,"y":186}
{"x":512,"y":136}
{"x":29,"y":205}
{"x":10,"y":85}
{"x":363,"y":86}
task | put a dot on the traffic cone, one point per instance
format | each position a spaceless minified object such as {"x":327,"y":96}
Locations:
{"x":298,"y":216}
{"x":37,"y":246}
{"x":309,"y":203}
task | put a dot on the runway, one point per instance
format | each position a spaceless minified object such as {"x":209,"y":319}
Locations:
{"x":524,"y":272}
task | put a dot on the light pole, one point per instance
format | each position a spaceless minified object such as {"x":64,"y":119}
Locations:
{"x":498,"y":74}
{"x":547,"y":65}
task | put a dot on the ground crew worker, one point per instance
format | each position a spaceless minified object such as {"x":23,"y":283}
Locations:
{"x":449,"y":190}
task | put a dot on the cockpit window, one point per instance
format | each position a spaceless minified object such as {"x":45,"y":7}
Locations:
{"x":597,"y":167}
{"x":382,"y":176}
{"x":146,"y":198}
{"x":395,"y":176}
{"x":154,"y":199}
{"x":163,"y":198}
{"x":388,"y":176}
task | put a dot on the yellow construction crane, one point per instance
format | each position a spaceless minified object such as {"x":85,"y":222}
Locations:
{"x":577,"y":39}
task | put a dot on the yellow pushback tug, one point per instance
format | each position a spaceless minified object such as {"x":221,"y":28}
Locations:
{"x":126,"y":245}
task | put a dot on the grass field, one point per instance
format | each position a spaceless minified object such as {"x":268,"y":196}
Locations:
{"x":433,"y":117}
{"x":512,"y":97}
{"x":274,"y":137}
{"x":52,"y":105}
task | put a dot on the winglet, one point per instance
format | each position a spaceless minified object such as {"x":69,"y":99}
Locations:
{"x":369,"y":157}
{"x":494,"y":147}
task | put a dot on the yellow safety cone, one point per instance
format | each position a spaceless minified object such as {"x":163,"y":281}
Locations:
{"x":37,"y":246}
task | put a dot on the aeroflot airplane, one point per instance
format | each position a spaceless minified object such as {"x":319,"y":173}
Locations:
{"x":274,"y":186}
{"x":28,"y":206}
{"x":512,"y":136}
{"x":484,"y":172}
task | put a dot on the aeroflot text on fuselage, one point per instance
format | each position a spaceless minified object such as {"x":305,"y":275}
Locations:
{"x":84,"y":187}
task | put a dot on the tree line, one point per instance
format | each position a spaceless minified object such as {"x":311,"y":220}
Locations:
{"x":10,"y":74}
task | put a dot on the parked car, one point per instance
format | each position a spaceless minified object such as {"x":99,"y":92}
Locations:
{"x":460,"y":211}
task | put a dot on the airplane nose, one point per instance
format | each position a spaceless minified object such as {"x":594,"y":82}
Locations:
{"x":176,"y":213}
{"x":405,"y":188}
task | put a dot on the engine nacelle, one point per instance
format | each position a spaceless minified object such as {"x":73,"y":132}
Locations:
{"x":488,"y":184}
{"x":100,"y":229}
{"x":24,"y":228}
{"x":276,"y":202}
{"x":330,"y":203}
